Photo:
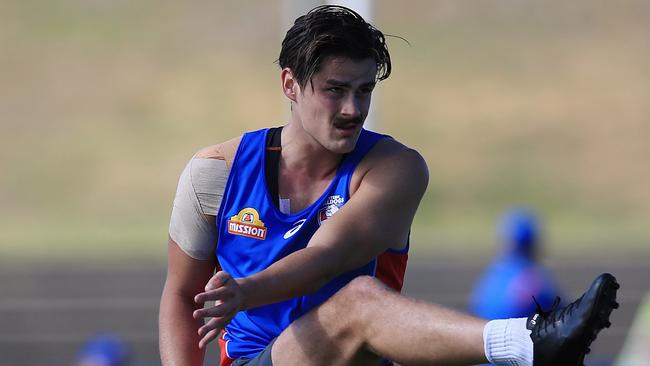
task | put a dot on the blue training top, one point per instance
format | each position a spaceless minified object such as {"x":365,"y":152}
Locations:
{"x":253,"y":234}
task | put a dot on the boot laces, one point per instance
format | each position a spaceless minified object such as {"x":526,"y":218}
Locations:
{"x":552,"y":316}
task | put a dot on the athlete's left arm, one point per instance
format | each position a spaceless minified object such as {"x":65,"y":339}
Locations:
{"x":377,"y":216}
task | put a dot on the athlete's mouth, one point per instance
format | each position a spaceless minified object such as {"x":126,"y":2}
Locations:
{"x":349,"y":126}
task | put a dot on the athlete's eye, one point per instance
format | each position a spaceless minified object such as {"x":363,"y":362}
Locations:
{"x":335,"y":90}
{"x":366,"y":91}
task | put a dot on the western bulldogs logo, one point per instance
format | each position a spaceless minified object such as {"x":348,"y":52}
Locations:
{"x":330,"y":207}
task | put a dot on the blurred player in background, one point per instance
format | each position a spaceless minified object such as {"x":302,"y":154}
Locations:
{"x":509,"y":283}
{"x":307,"y":227}
{"x":104,"y":350}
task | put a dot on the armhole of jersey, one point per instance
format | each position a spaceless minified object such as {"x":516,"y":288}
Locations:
{"x":218,"y":219}
{"x":378,"y":137}
{"x":402,"y":250}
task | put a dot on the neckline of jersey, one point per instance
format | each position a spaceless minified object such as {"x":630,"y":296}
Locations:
{"x":318,"y":202}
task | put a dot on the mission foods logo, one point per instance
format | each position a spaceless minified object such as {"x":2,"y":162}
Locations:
{"x":247,"y":223}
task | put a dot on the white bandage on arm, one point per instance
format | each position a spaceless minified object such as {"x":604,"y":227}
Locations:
{"x":199,"y":193}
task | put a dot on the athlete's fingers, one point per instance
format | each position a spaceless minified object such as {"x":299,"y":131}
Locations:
{"x":222,"y":293}
{"x":212,"y":324}
{"x":212,"y":328}
{"x":208,"y":338}
{"x":218,"y":280}
{"x":216,"y":311}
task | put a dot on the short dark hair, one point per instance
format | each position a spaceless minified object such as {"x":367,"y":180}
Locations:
{"x":331,"y":30}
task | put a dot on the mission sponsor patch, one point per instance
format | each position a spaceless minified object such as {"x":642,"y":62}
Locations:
{"x":247,"y":223}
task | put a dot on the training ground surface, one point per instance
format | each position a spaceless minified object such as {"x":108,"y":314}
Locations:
{"x":46,"y":312}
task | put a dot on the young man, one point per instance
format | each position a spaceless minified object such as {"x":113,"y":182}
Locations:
{"x":311,"y":223}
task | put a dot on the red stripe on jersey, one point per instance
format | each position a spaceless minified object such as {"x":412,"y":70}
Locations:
{"x":225,"y":360}
{"x":391,"y":267}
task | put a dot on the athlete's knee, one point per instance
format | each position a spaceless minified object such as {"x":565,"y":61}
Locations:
{"x":358,"y":295}
{"x":348,"y":312}
{"x":364,"y":288}
{"x":341,"y":323}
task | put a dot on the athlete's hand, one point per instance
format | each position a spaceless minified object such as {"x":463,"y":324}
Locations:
{"x":228,"y":300}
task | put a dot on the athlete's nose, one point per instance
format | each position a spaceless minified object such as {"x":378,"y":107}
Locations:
{"x":351,"y":107}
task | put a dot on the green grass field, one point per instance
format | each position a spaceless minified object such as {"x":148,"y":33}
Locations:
{"x":511,"y":103}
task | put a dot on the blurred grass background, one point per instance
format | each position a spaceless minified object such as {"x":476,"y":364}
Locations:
{"x":541,"y":104}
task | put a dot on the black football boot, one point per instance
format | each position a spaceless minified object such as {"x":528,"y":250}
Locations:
{"x":561,"y":337}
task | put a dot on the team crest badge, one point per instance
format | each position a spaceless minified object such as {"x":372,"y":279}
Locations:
{"x":331,"y":206}
{"x":247,"y":223}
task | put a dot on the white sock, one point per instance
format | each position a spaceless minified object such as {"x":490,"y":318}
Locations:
{"x":507,"y":342}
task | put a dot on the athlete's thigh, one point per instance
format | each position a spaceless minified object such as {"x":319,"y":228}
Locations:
{"x":322,"y":337}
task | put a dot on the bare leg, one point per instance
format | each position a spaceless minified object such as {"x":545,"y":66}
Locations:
{"x":366,"y":319}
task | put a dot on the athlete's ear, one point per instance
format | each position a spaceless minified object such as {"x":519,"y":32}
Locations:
{"x":290,"y":85}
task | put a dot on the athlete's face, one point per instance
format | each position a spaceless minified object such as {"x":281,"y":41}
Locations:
{"x":332,"y":107}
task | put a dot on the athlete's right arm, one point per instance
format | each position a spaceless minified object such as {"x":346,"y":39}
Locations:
{"x":191,"y":257}
{"x":178,"y":330}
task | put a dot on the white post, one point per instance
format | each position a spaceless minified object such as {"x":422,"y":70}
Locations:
{"x":363,"y":7}
{"x":292,"y":9}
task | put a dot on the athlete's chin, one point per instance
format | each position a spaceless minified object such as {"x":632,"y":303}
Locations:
{"x":346,"y":149}
{"x":345,"y":145}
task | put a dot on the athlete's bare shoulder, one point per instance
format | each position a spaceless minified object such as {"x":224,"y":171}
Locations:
{"x":223,"y":151}
{"x":391,"y":156}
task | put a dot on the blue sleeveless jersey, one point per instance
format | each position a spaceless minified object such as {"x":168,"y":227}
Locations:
{"x":253,"y":234}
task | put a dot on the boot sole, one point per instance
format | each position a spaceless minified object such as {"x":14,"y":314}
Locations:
{"x":605,"y":304}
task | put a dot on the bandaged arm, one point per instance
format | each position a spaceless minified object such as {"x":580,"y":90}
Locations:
{"x":199,"y":193}
{"x":191,"y":258}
